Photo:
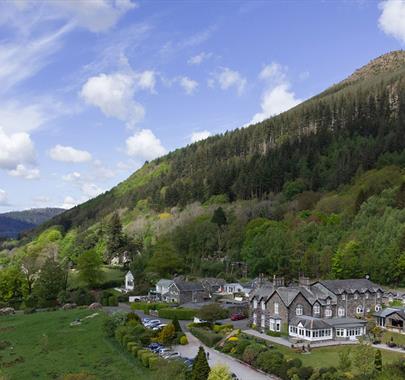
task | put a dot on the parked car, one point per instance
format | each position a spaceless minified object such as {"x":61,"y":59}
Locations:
{"x":155,"y":346}
{"x":145,"y":320}
{"x":152,"y":323}
{"x":237,"y":317}
{"x":171,"y":355}
{"x":159,"y":326}
{"x":164,"y":350}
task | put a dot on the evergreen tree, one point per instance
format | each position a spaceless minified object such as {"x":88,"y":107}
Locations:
{"x":176,"y":324}
{"x":220,"y":372}
{"x":219,"y":218}
{"x":378,"y":361}
{"x":201,"y":369}
{"x":115,"y":237}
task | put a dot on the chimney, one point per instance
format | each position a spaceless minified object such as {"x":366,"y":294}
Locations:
{"x":304,"y":281}
{"x":278,"y":281}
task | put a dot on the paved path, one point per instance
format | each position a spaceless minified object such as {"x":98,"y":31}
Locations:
{"x":242,"y":371}
{"x":385,"y":347}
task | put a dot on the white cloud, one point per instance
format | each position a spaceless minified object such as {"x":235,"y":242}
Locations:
{"x":24,"y":172}
{"x":197,"y":136}
{"x":145,"y":80}
{"x":3,"y":198}
{"x":189,"y":85}
{"x":69,"y":154}
{"x":277,"y":97}
{"x":15,"y":148}
{"x":392,"y":19}
{"x":69,"y":202}
{"x":113,"y":94}
{"x":72,"y":177}
{"x":91,"y":190}
{"x":144,"y":145}
{"x":228,"y":78}
{"x":199,"y":58}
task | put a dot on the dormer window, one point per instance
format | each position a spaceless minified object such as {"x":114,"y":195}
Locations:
{"x":255,"y":304}
{"x":356,"y":296}
{"x":328,"y":312}
{"x":299,"y":310}
{"x":378,"y":294}
{"x":317,"y":309}
{"x":263,"y":306}
{"x":343,"y":297}
{"x":328,"y":301}
{"x":366,"y":295}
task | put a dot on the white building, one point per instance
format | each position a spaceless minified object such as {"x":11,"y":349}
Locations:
{"x":129,"y":282}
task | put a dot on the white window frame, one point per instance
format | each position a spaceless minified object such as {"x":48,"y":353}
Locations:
{"x":263,"y":321}
{"x":359,"y":309}
{"x":328,"y":312}
{"x":317,"y":309}
{"x":355,"y":296}
{"x":299,"y":310}
{"x":263,"y":305}
{"x":343,"y":297}
{"x":341,"y":311}
{"x":276,"y":306}
{"x":377,"y":307}
{"x":254,"y":303}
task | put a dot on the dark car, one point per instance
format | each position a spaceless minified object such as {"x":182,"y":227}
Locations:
{"x":237,"y":317}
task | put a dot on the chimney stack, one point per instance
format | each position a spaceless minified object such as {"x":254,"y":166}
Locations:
{"x":278,"y":281}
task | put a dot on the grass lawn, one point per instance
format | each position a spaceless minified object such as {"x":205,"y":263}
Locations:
{"x":45,"y":346}
{"x":110,"y":274}
{"x":329,"y":356}
{"x":398,"y":338}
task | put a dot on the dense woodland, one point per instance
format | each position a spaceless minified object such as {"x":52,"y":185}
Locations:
{"x":317,"y":190}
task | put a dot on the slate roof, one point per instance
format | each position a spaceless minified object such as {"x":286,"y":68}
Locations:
{"x":310,"y":323}
{"x":360,"y":285}
{"x":184,"y":286}
{"x":346,"y":322}
{"x":390,"y":310}
{"x":212,"y":281}
{"x":164,"y":282}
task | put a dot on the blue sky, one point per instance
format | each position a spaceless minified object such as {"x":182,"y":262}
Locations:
{"x":91,"y":89}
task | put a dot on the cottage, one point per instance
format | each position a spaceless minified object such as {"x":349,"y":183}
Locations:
{"x":320,"y":311}
{"x":392,"y":319}
{"x":181,"y":292}
{"x":236,"y":287}
{"x":129,"y":282}
{"x":213,"y":285}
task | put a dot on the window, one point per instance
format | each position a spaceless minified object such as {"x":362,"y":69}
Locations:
{"x":263,"y":306}
{"x":343,"y":297}
{"x":254,"y":304}
{"x":359,"y":309}
{"x":275,"y":308}
{"x":341,"y":311}
{"x":263,"y":321}
{"x":377,"y":307}
{"x":366,"y":295}
{"x":299,"y":310}
{"x":278,"y":326}
{"x":356,"y":296}
{"x":328,"y":301}
{"x":378,"y":294}
{"x":317,"y":309}
{"x":340,"y":332}
{"x":254,"y":318}
{"x":328,"y":312}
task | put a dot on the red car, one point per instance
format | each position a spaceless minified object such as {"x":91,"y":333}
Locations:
{"x":237,"y":317}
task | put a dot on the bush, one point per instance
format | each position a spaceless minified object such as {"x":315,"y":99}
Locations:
{"x":251,"y":352}
{"x":181,"y":313}
{"x":183,"y":340}
{"x":212,"y":312}
{"x":110,"y":324}
{"x":130,"y":345}
{"x":145,"y":358}
{"x":82,"y":297}
{"x":154,"y":363}
{"x":135,"y":350}
{"x":112,"y":301}
{"x":271,"y":362}
{"x":146,"y":307}
{"x":141,"y":352}
{"x":274,"y":333}
{"x":133,"y":317}
{"x":219,"y":328}
{"x":241,"y":345}
{"x":209,"y":338}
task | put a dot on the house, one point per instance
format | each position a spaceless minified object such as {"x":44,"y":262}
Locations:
{"x":392,"y":319}
{"x":213,"y":285}
{"x":181,"y":292}
{"x":236,"y":287}
{"x":322,"y":310}
{"x":129,"y":282}
{"x":161,"y":288}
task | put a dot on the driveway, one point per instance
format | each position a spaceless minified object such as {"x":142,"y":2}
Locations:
{"x":242,"y":371}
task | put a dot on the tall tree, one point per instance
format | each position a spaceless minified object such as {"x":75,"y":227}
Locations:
{"x":115,"y":237}
{"x":201,"y":369}
{"x":378,"y":361}
{"x":89,"y":265}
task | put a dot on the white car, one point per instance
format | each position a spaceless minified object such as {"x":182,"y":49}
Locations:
{"x":158,"y":327}
{"x":164,"y":351}
{"x":171,"y":355}
{"x":152,"y":322}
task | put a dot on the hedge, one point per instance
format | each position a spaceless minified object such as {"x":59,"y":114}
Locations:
{"x":135,"y":350}
{"x":209,"y":338}
{"x":130,"y":345}
{"x":145,"y":358}
{"x":140,"y":353}
{"x":181,"y":313}
{"x":146,"y":307}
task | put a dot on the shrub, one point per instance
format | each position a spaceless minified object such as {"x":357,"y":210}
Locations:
{"x":294,"y":363}
{"x":110,"y":324}
{"x":219,"y":328}
{"x":212,"y":312}
{"x":209,"y":338}
{"x":241,"y":345}
{"x":167,"y":334}
{"x":154,"y":362}
{"x":112,"y":301}
{"x":135,"y":350}
{"x":251,"y":352}
{"x":181,"y":313}
{"x":183,"y":340}
{"x":233,"y":339}
{"x":130,"y":345}
{"x":140,"y":353}
{"x":145,"y":358}
{"x":126,"y":339}
{"x":146,"y":307}
{"x":274,"y":333}
{"x":272,"y":362}
{"x":133,"y":317}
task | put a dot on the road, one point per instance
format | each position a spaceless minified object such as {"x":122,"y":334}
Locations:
{"x":242,"y":371}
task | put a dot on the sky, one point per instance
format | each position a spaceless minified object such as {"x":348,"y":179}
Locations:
{"x":91,"y":89}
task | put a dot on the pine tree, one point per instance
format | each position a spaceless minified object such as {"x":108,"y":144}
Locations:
{"x":378,"y":361}
{"x":176,"y":324}
{"x":201,"y":369}
{"x":115,"y":237}
{"x":219,"y":217}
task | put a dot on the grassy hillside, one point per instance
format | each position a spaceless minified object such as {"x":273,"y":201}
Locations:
{"x":45,"y":346}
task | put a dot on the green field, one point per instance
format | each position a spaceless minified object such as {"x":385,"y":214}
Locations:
{"x":45,"y":346}
{"x":110,"y":274}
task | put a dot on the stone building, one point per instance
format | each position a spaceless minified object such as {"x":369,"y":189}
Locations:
{"x":315,"y":311}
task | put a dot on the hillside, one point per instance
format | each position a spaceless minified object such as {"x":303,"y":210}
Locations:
{"x":316,"y":190}
{"x":16,"y":222}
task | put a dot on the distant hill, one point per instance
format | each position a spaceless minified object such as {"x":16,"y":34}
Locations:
{"x":15,"y":222}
